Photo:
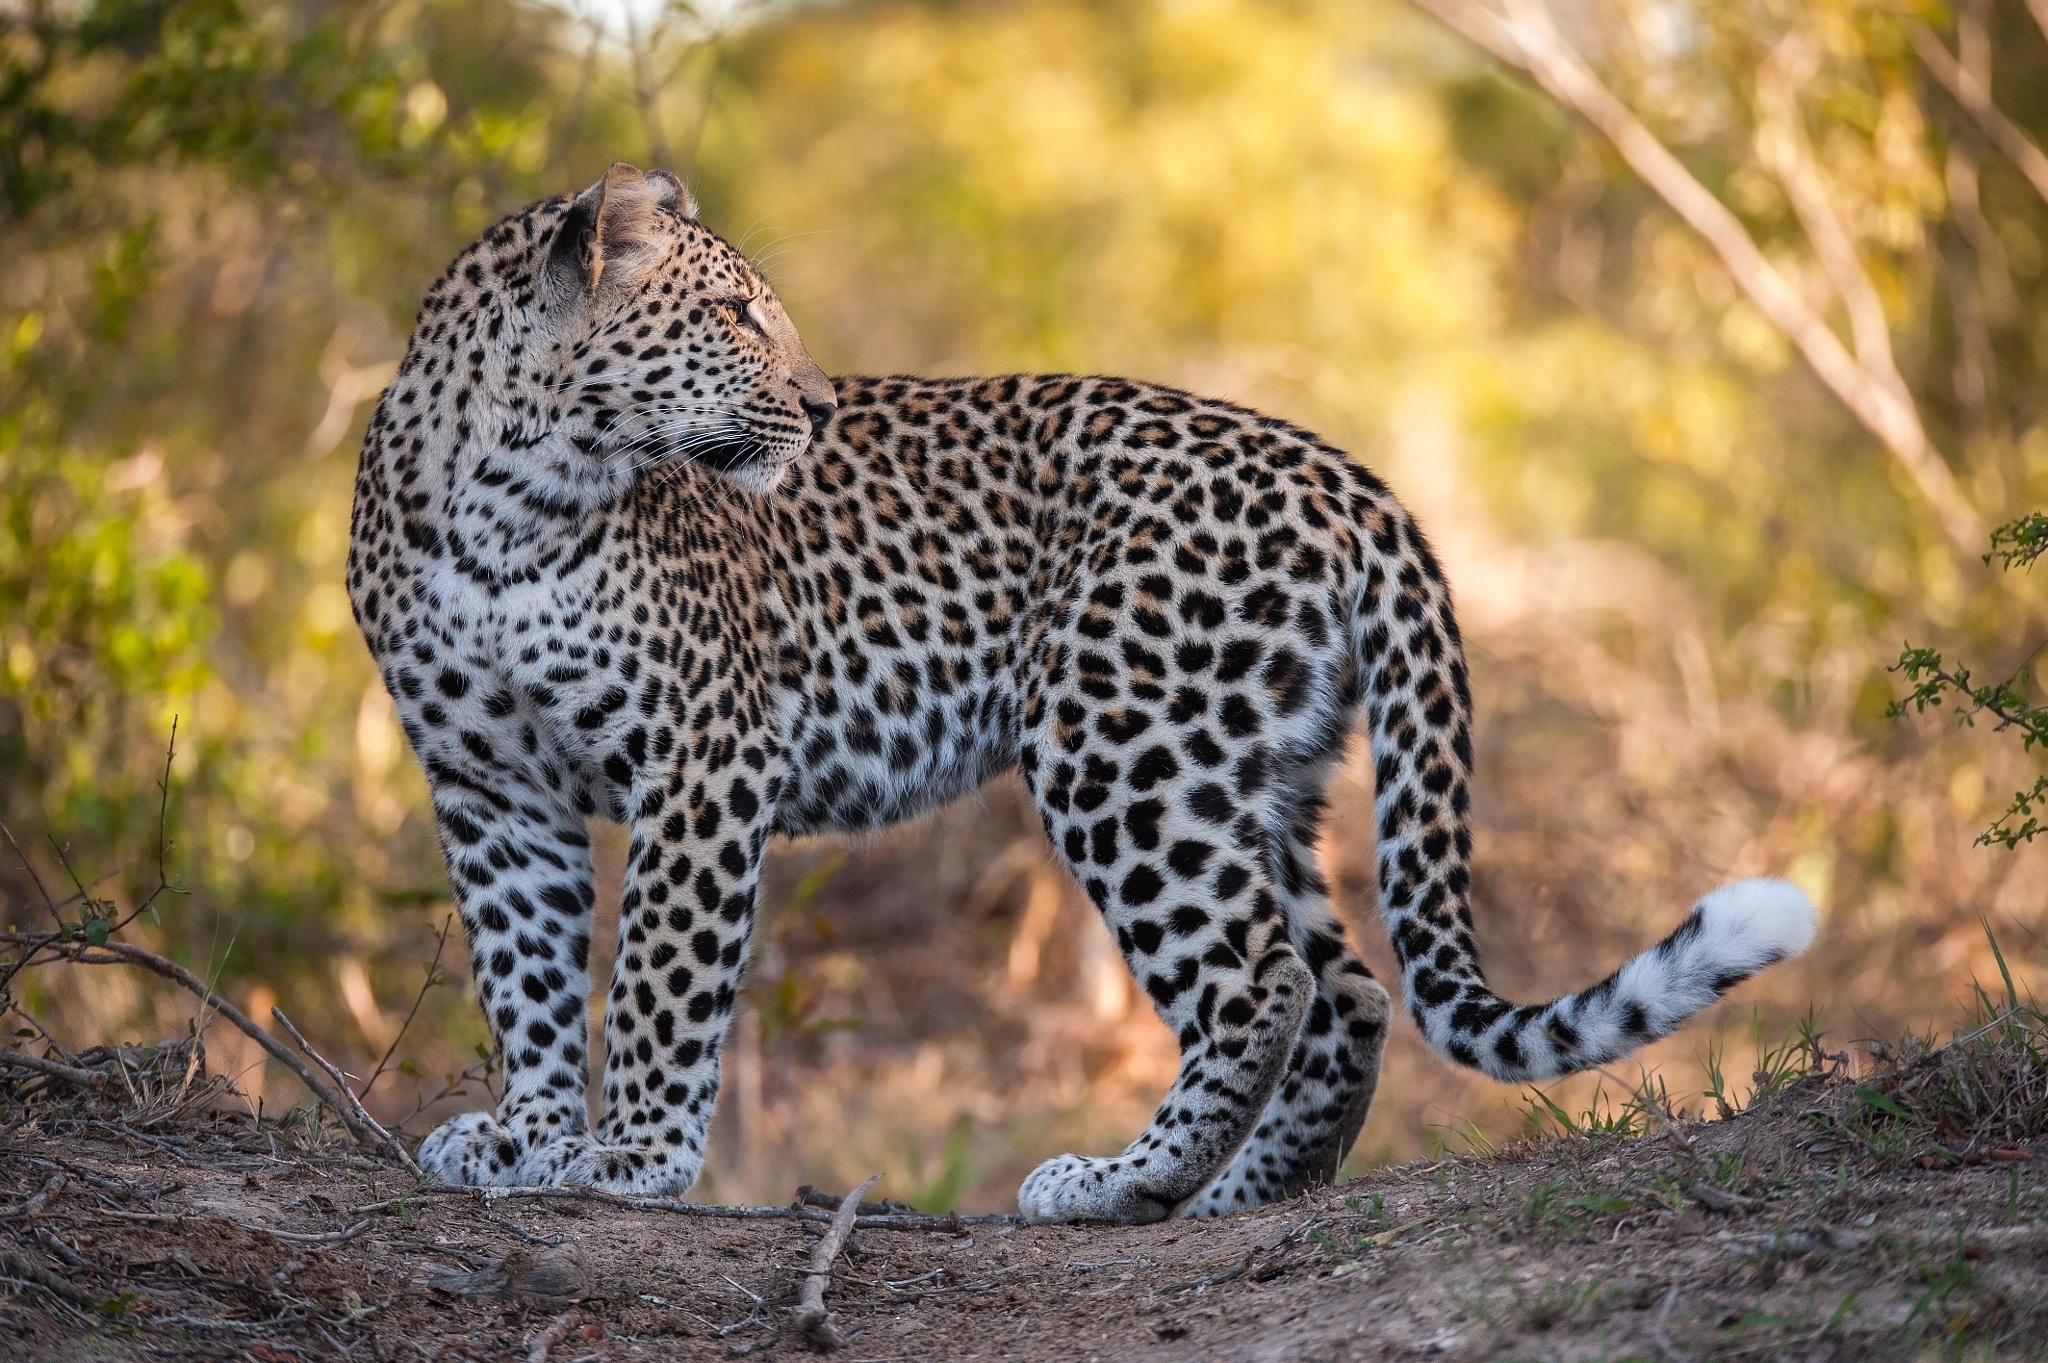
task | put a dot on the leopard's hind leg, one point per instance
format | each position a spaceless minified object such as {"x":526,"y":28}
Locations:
{"x":1315,"y":1114}
{"x":1197,"y":915}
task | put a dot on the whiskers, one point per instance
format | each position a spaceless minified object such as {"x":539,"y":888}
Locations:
{"x":679,"y":434}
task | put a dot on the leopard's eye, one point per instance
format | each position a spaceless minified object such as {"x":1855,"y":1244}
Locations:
{"x":741,"y":311}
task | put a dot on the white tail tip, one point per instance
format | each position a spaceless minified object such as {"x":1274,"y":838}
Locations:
{"x":1752,"y":923}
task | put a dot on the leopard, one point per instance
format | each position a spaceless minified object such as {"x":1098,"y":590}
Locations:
{"x":622,"y":551}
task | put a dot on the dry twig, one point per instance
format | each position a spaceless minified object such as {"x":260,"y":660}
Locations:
{"x":810,"y":1317}
{"x":434,"y":977}
{"x":112,"y":953}
{"x":72,"y":943}
{"x":81,"y":894}
{"x":925,"y":1221}
{"x":550,"y":1337}
{"x":355,"y":1115}
{"x":40,"y":1199}
{"x":70,"y":1074}
{"x":297,"y":1237}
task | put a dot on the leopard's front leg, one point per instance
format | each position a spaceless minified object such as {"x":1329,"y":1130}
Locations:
{"x":687,"y":913}
{"x":519,"y":860}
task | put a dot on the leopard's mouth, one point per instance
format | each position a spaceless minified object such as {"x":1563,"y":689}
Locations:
{"x":724,"y":445}
{"x":754,"y":453}
{"x":729,"y":455}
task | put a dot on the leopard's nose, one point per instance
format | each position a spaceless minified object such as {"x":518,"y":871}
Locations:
{"x":820,"y":411}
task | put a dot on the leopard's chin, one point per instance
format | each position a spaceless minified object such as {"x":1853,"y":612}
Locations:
{"x":762,"y":476}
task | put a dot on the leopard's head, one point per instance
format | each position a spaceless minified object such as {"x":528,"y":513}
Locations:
{"x":629,"y":338}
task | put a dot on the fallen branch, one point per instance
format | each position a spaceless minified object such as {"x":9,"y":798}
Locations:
{"x":112,"y":953}
{"x":810,"y":1317}
{"x":1720,"y":1199}
{"x":70,"y":1074}
{"x":361,"y":1115}
{"x":922,"y":1221}
{"x":550,"y":1337}
{"x":28,"y":1270}
{"x":40,"y":1199}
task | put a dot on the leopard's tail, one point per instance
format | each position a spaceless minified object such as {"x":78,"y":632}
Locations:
{"x":1418,"y":705}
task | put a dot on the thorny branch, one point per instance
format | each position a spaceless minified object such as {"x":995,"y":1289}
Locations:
{"x":91,"y":941}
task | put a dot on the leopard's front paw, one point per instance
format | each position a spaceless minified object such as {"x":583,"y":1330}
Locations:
{"x":472,"y":1150}
{"x":638,"y":1170}
{"x":1081,"y":1188}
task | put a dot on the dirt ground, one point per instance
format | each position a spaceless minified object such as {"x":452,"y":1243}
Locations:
{"x":1782,"y":1232}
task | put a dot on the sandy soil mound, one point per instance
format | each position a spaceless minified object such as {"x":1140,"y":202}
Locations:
{"x":1839,"y":1219}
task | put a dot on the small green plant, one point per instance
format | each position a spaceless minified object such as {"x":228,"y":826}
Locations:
{"x":1547,"y":1210}
{"x":1599,"y":1203}
{"x":1542,"y":1203}
{"x":1538,"y":1108}
{"x":1935,"y":682}
{"x":1801,"y":1053}
{"x":1717,"y":1083}
{"x":1465,"y":1129}
{"x":1647,"y":1107}
{"x":1957,"y":1303}
{"x":1372,"y":1208}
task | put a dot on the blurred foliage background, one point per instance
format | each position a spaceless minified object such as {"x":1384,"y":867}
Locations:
{"x":1684,"y":566}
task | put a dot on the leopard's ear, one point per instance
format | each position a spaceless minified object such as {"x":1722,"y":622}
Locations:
{"x":612,"y":230}
{"x":674,"y":195}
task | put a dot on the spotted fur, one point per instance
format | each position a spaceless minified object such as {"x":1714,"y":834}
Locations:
{"x":621,"y":550}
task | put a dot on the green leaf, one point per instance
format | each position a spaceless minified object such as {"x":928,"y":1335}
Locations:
{"x":1870,"y":1097}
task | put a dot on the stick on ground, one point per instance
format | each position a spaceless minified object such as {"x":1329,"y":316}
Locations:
{"x":949,"y":1224}
{"x":52,"y":1186}
{"x":811,"y":1319}
{"x":70,"y":1074}
{"x":550,"y":1337}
